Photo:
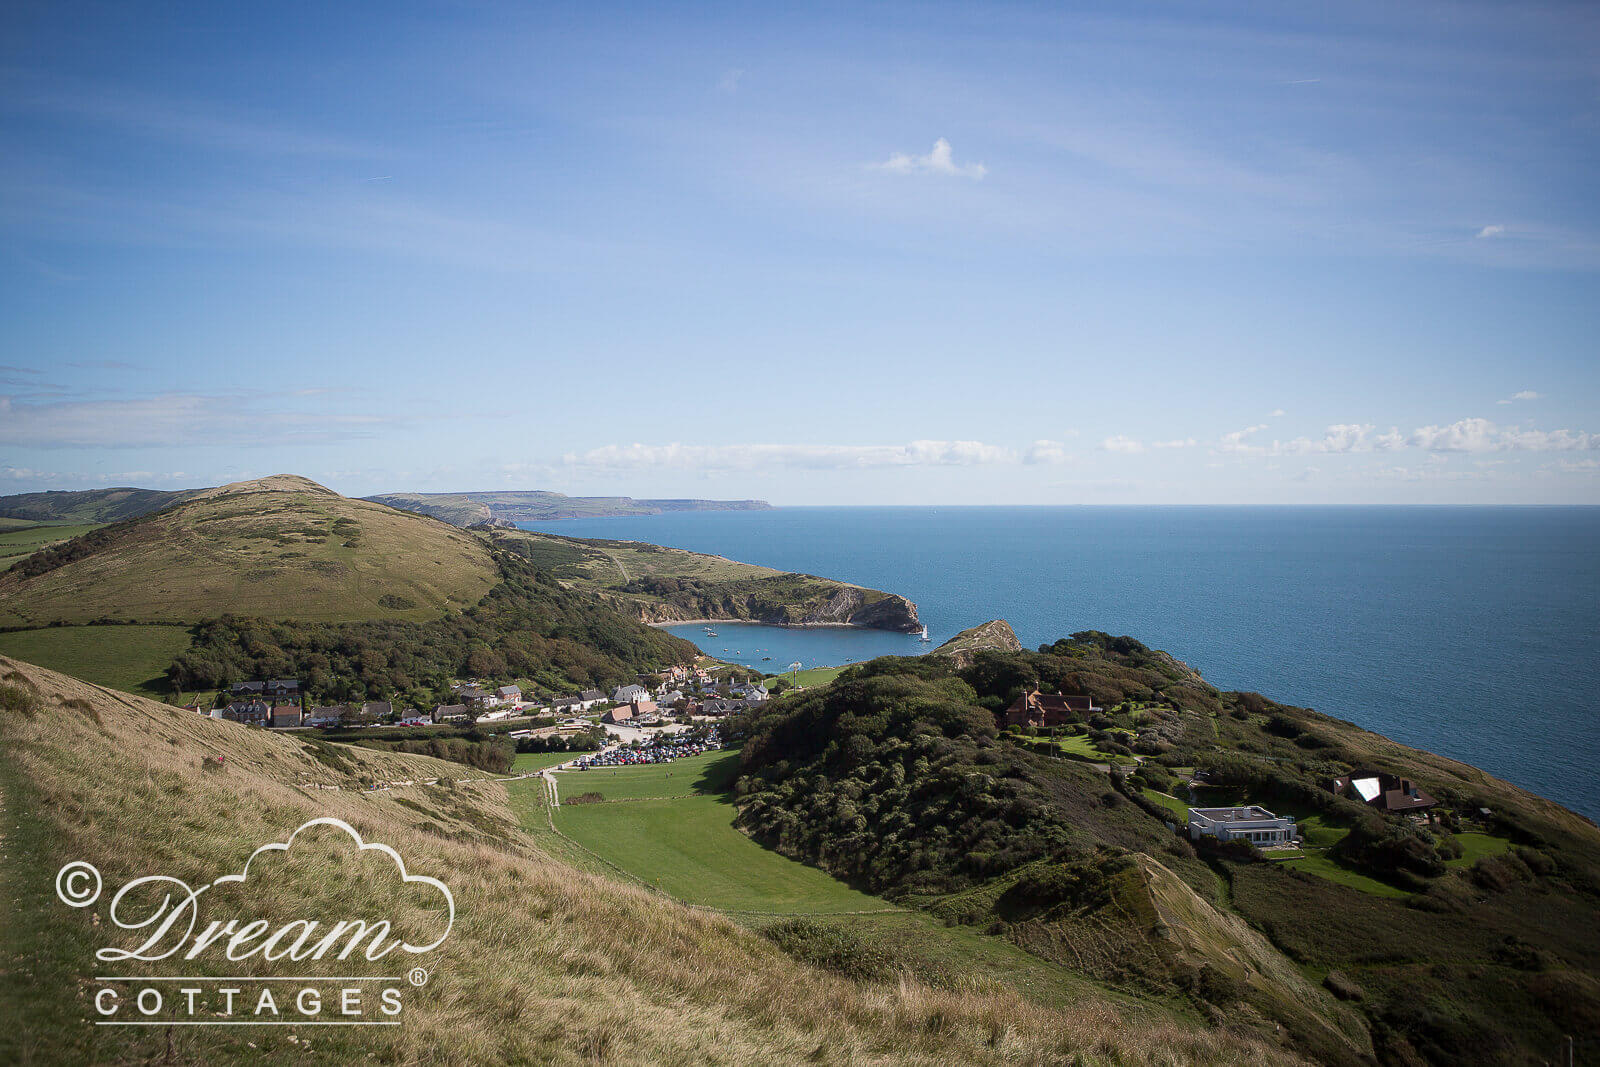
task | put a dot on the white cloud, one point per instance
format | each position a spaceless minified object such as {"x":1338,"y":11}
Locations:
{"x":1043,"y":451}
{"x":813,"y":457}
{"x":1238,"y":440}
{"x":1481,"y":435}
{"x":1491,"y":231}
{"x":1338,"y":438}
{"x":1123,"y":444}
{"x":938,"y":161}
{"x":1277,"y":413}
{"x":1180,"y":442}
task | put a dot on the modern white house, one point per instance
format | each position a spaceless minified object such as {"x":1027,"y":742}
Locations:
{"x":1254,"y":824}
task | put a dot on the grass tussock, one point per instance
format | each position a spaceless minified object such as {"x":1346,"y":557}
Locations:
{"x":545,"y":964}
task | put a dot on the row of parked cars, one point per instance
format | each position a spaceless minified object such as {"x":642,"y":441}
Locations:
{"x":663,"y":750}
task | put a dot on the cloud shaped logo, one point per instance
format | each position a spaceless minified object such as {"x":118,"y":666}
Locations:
{"x":166,"y":912}
{"x":363,"y":846}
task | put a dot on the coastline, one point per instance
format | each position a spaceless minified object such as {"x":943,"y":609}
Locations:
{"x":774,"y":625}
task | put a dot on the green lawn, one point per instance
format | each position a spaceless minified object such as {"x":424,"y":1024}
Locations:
{"x":1079,"y":745}
{"x":687,"y":846}
{"x":18,"y":542}
{"x":538,"y":761}
{"x":131,"y":658}
{"x":1475,"y":846}
{"x":1321,"y":866}
{"x":1179,"y":809}
{"x":711,"y":772}
{"x":813,"y":676}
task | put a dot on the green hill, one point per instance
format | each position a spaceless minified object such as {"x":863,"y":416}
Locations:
{"x":471,"y":509}
{"x":657,"y":584}
{"x":1471,"y":938}
{"x":89,"y":505}
{"x":282,"y":547}
{"x":544,"y":963}
{"x":283,"y":577}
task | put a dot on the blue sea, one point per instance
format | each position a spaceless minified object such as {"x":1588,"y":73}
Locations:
{"x":1471,"y":632}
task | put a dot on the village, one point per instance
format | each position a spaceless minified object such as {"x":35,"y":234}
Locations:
{"x":678,"y":693}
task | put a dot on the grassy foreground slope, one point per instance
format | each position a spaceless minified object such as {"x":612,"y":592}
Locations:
{"x":658,"y":584}
{"x":281,"y":547}
{"x":545,"y":963}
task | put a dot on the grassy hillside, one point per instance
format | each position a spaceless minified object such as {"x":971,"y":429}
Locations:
{"x":658,"y":584}
{"x":278,"y":548}
{"x":545,"y":963}
{"x":89,"y":505}
{"x":1472,"y":939}
{"x":469,"y":509}
{"x":19,"y":538}
{"x":131,"y":658}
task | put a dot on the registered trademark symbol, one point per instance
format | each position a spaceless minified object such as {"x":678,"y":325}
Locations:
{"x":417,"y":976}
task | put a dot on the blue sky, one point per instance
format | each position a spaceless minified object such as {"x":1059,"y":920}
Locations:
{"x":1121,"y":253}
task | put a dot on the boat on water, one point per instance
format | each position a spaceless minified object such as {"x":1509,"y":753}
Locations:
{"x":923,"y":636}
{"x":712,"y":633}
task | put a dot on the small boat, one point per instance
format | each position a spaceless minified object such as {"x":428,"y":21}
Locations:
{"x":712,"y":633}
{"x":923,"y":636}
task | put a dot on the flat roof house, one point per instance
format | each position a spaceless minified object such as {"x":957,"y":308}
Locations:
{"x":1251,"y":823}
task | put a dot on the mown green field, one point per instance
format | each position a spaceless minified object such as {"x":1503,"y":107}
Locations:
{"x":813,"y":676}
{"x":687,"y":846}
{"x":706,"y":774}
{"x":19,"y":540}
{"x":671,"y":827}
{"x":131,"y":658}
{"x":528,"y":762}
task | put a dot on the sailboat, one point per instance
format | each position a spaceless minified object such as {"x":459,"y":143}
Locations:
{"x":923,"y":636}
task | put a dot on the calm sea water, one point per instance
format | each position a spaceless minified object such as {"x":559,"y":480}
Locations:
{"x":1471,"y":632}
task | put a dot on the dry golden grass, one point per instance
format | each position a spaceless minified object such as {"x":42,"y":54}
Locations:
{"x":546,"y":964}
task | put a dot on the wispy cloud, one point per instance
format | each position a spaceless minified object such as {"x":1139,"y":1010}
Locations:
{"x":175,"y":419}
{"x":1526,"y":394}
{"x":939,"y":161}
{"x":1491,"y":231}
{"x":1122,"y":443}
{"x":1045,"y":451}
{"x":177,"y":120}
{"x":814,"y":457}
{"x":1464,"y":435}
{"x":102,"y":364}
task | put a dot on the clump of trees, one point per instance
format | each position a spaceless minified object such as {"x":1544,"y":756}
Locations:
{"x":528,"y":626}
{"x":893,"y":778}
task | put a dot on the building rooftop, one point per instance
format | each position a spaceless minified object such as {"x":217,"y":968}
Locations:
{"x":1249,"y":813}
